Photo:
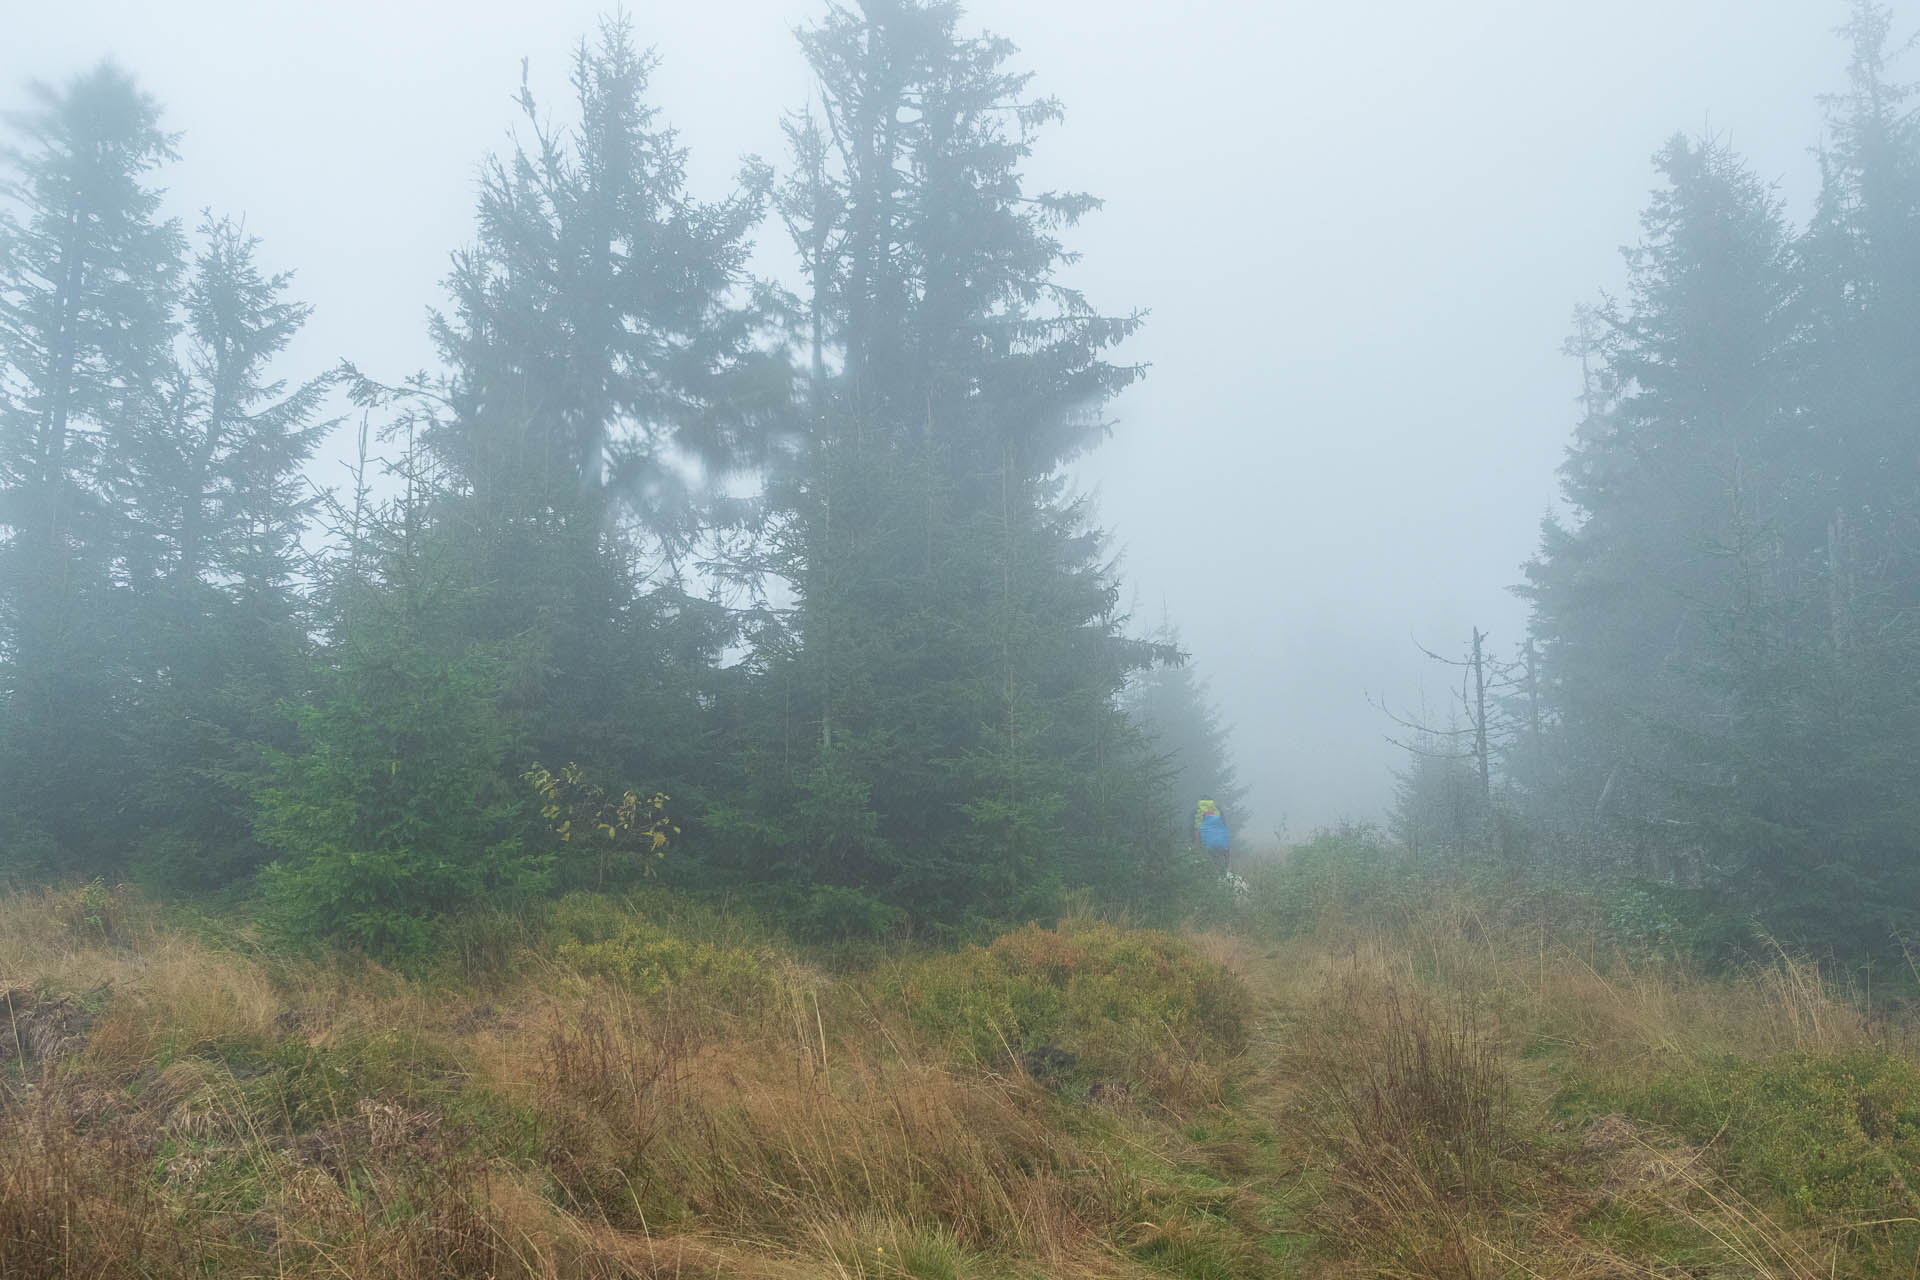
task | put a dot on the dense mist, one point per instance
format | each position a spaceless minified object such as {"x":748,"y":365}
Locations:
{"x":1360,"y":237}
{"x":920,"y":462}
{"x":916,"y":638}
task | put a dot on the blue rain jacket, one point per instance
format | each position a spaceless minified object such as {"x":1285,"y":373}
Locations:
{"x":1213,"y":831}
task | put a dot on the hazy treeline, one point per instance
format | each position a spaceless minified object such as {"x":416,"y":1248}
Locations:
{"x":542,"y":635}
{"x":1720,"y":696}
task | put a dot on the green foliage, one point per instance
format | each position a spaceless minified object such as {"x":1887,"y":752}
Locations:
{"x":620,"y":830}
{"x":579,"y":362}
{"x":1349,"y":873}
{"x":1829,"y":1136}
{"x":307,"y":1085}
{"x":28,"y":851}
{"x":586,"y":918}
{"x":1727,"y":629}
{"x":652,"y":961}
{"x":840,"y":913}
{"x":1171,"y":703}
{"x":931,"y":737}
{"x":151,"y":501}
{"x":945,"y":689}
{"x":1109,"y":996}
{"x":91,"y":917}
{"x":89,"y":273}
{"x":665,"y":947}
{"x":1439,"y":807}
{"x":1653,"y":917}
{"x":594,"y":344}
{"x":391,"y":814}
{"x":217,"y":505}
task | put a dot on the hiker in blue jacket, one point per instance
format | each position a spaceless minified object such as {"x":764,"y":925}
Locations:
{"x":1214,"y":837}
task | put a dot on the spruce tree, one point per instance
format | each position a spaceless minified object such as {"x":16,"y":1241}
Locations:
{"x":604,"y":373}
{"x":398,"y":804}
{"x":1729,"y":632}
{"x":1860,"y":275}
{"x":1440,"y":810}
{"x":1837,"y":836}
{"x":1671,"y":475}
{"x":88,"y":279}
{"x":216,"y":507}
{"x":521,"y":602}
{"x":947,"y":685}
{"x":1172,"y":704}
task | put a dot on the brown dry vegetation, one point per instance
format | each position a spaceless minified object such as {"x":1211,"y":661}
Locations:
{"x":1476,"y":1101}
{"x":638,"y":1103}
{"x":619,"y":1091}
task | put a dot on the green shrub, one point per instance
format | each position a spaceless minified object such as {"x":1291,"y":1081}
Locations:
{"x":600,"y":917}
{"x":1649,"y":916}
{"x":28,"y":854}
{"x":1351,"y":872}
{"x":653,"y":962}
{"x":94,"y":913}
{"x":1835,"y":1137}
{"x":392,"y":815}
{"x":662,"y":952}
{"x":1109,"y":997}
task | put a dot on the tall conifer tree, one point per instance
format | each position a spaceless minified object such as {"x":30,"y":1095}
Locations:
{"x":1730,"y":630}
{"x":216,"y":505}
{"x":604,"y":371}
{"x":88,"y":273}
{"x":1172,"y":703}
{"x":1671,"y":477}
{"x":955,"y":657}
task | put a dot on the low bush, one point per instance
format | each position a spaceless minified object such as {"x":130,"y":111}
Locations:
{"x":29,"y":855}
{"x":1350,"y":874}
{"x":1088,"y":1001}
{"x":391,"y":815}
{"x":650,"y":961}
{"x":1834,"y":1137}
{"x":1429,"y":1103}
{"x":658,"y":949}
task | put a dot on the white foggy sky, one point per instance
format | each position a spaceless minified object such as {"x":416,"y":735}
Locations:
{"x":1360,"y":228}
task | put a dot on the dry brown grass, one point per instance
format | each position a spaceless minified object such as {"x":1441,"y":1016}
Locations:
{"x":73,"y":1198}
{"x":650,"y":1127}
{"x":1409,"y":1078}
{"x":173,"y":1105}
{"x":169,"y":1105}
{"x":1408,"y":1105}
{"x":1610,"y":1006}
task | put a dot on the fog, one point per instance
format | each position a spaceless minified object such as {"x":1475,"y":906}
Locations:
{"x":1360,"y":232}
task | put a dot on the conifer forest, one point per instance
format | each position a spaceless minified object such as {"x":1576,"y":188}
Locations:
{"x":686,"y":782}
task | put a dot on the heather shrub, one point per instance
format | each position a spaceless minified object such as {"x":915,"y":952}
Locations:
{"x":1087,"y":1001}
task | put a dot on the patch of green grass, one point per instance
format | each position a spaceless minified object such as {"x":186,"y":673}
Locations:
{"x":308,"y":1085}
{"x":932,"y":1255}
{"x":1642,"y":1232}
{"x":1085,"y":1001}
{"x":1200,"y":1252}
{"x":882,"y":1250}
{"x":1833,"y":1137}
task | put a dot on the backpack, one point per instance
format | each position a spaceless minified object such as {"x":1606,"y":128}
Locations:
{"x":1213,"y":831}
